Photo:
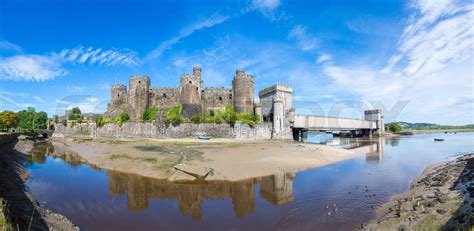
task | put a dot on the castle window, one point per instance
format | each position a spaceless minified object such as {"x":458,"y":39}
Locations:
{"x":197,"y":88}
{"x":190,"y":82}
{"x":118,"y":95}
{"x":230,"y":96}
{"x":202,"y":91}
{"x":139,"y":81}
{"x":220,"y":98}
{"x":164,"y":95}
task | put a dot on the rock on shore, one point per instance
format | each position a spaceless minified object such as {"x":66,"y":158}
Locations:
{"x":442,"y":198}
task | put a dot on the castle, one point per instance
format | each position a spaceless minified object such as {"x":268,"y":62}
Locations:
{"x":191,"y":94}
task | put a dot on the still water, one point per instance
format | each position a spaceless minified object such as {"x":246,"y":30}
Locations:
{"x":340,"y":196}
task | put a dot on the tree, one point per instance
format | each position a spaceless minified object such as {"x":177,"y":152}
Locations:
{"x":31,"y":120}
{"x":75,"y":114}
{"x":8,"y":119}
{"x":394,"y":127}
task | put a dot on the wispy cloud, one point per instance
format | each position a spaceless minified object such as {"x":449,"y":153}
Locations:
{"x":32,"y":67}
{"x":211,"y":21}
{"x":304,"y":40}
{"x":8,"y":46}
{"x":438,"y":33}
{"x":323,"y":58}
{"x":39,"y":99}
{"x":14,"y":103}
{"x":92,"y":56}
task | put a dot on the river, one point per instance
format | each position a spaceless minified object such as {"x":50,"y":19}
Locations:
{"x":340,"y":196}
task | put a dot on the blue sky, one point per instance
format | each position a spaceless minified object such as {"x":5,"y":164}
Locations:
{"x":412,"y":58}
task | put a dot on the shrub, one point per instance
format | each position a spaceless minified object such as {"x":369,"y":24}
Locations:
{"x":199,"y":118}
{"x":174,"y":116}
{"x":123,"y":117}
{"x":150,"y":114}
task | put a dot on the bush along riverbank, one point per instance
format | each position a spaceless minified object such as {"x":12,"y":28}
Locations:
{"x":441,"y":198}
{"x":20,"y":210}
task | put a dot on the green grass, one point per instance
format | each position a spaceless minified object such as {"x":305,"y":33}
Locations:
{"x":4,"y":224}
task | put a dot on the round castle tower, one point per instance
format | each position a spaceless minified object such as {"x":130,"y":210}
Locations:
{"x":243,"y":92}
{"x":138,"y":95}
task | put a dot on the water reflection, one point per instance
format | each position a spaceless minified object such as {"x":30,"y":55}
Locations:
{"x":276,"y":189}
{"x":373,"y":148}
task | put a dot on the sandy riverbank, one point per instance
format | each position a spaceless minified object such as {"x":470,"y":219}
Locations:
{"x":215,"y":160}
{"x":21,"y":210}
{"x":441,"y":198}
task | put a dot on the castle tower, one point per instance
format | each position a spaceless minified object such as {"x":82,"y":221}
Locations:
{"x":118,"y":96}
{"x":197,"y":74}
{"x":243,"y":92}
{"x":278,"y":115}
{"x":138,"y":95}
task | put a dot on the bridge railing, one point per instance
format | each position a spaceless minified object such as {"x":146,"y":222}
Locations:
{"x":331,"y":123}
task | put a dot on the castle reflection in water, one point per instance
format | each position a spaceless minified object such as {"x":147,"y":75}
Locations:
{"x":277,"y":189}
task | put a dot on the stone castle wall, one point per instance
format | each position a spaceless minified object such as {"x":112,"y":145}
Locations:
{"x":150,"y":130}
{"x":214,"y":98}
{"x":191,"y":94}
{"x":164,"y":98}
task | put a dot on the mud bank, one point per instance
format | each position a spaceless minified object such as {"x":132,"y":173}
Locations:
{"x":441,"y":198}
{"x":20,"y":208}
{"x":178,"y":161}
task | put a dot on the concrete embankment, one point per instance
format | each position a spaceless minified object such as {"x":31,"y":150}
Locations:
{"x":20,"y":208}
{"x":441,"y":198}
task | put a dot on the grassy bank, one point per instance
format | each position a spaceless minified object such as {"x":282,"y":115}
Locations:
{"x":4,"y":224}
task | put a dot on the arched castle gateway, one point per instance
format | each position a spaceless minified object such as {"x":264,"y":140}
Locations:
{"x":191,"y":94}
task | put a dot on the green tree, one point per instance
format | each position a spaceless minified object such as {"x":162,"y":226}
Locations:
{"x":8,"y":119}
{"x":75,"y":114}
{"x":31,"y":120}
{"x":150,"y":113}
{"x":394,"y":127}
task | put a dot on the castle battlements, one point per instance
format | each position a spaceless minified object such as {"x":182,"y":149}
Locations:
{"x":190,"y":94}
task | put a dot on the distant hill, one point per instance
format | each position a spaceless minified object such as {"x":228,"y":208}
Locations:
{"x":422,"y":126}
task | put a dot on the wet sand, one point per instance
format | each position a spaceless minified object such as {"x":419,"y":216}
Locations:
{"x":215,"y":160}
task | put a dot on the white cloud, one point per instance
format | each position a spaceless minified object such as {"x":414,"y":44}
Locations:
{"x":92,"y":56}
{"x":8,"y":46}
{"x":265,"y":4}
{"x":13,"y":102}
{"x":39,"y":99}
{"x":438,"y":33}
{"x":30,"y":67}
{"x":211,"y":21}
{"x":304,"y":40}
{"x":323,"y":58}
{"x":76,"y":89}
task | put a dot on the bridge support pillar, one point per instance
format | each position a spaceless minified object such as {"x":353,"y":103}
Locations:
{"x":300,"y":134}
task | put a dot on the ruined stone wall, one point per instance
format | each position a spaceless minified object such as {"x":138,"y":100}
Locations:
{"x":85,"y":129}
{"x":258,"y":131}
{"x":216,"y":98}
{"x":243,"y":92}
{"x":138,"y":95}
{"x":119,"y":99}
{"x":150,"y":130}
{"x":164,"y":98}
{"x":193,"y":130}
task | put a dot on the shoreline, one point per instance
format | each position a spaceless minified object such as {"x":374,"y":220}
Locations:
{"x":442,"y":197}
{"x":188,"y":159}
{"x":21,"y":210}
